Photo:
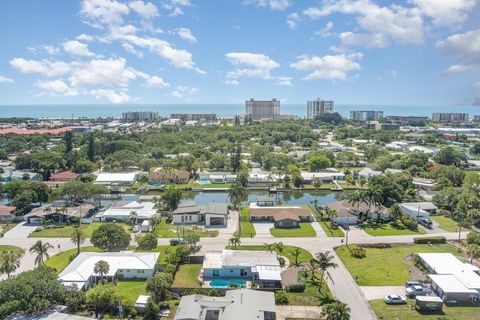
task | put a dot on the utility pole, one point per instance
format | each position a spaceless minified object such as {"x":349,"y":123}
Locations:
{"x":460,"y":227}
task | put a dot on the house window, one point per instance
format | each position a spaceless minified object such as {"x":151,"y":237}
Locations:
{"x":183,"y":218}
{"x":190,"y":218}
{"x":231,"y":270}
{"x":216,"y":273}
{"x":141,"y":271}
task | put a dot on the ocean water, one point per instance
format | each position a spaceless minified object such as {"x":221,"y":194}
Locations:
{"x":223,"y":110}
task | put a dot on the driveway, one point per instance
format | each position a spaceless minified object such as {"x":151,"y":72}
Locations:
{"x":300,"y":312}
{"x":21,"y":230}
{"x":373,"y":293}
{"x":318,"y":229}
{"x":262,"y":229}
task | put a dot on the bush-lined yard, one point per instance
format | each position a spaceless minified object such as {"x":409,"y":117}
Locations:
{"x":7,"y":248}
{"x":331,"y":231}
{"x":187,"y":276}
{"x":66,"y":231}
{"x":129,"y":291}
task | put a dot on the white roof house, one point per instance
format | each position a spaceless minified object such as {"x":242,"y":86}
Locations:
{"x":326,"y":175}
{"x":127,"y":178}
{"x":121,"y":210}
{"x":241,"y":304}
{"x":450,"y":284}
{"x":125,"y":263}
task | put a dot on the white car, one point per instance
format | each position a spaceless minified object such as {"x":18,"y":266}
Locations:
{"x":395,"y":299}
{"x":136,"y":228}
{"x":416,"y":290}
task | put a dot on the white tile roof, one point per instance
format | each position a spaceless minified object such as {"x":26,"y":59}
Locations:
{"x":116,"y":177}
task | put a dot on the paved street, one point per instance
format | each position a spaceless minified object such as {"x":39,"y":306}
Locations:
{"x":372,"y":292}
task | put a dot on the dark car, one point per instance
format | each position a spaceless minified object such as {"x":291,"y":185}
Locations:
{"x":410,"y":283}
{"x":176,"y":242}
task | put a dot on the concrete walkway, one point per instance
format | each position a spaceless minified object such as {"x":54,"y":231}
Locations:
{"x":262,"y":229}
{"x":301,"y":312}
{"x":21,"y":230}
{"x":318,"y":229}
{"x":373,"y":293}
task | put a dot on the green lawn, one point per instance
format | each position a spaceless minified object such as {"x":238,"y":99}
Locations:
{"x":406,"y":312}
{"x":305,"y":256}
{"x":165,"y":251}
{"x":311,"y":296}
{"x":7,"y":248}
{"x":5,"y":227}
{"x":66,"y":231}
{"x":187,"y":276}
{"x":387,"y":267}
{"x":211,"y":185}
{"x":446,"y":223}
{"x":61,"y":260}
{"x":331,"y":231}
{"x":387,"y":229}
{"x":167,"y":230}
{"x":246,"y":227}
{"x":305,"y":230}
{"x":130,"y":290}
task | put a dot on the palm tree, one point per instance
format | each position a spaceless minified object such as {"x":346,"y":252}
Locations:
{"x":324,"y":261}
{"x":234,"y":241}
{"x":373,"y":197}
{"x":361,"y":181}
{"x":317,"y":183}
{"x":236,"y":193}
{"x":78,"y":237}
{"x":278,"y":247}
{"x":41,"y":249}
{"x":335,"y":311}
{"x":268,"y":247}
{"x":312,"y":264}
{"x":473,"y":250}
{"x":296,"y":252}
{"x":155,"y":221}
{"x":355,"y":198}
{"x":9,"y":261}
{"x":133,"y":217}
{"x":101,"y":267}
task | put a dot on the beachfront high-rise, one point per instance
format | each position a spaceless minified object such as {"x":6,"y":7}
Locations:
{"x":366,"y":115}
{"x":258,"y":110}
{"x":140,"y":116}
{"x":319,"y":107}
{"x":449,"y":117}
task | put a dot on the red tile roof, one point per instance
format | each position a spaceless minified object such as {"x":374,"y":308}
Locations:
{"x":64,"y":175}
{"x":6,"y":210}
{"x":38,"y":131}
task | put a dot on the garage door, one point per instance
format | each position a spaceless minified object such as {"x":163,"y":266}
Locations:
{"x":217,"y":221}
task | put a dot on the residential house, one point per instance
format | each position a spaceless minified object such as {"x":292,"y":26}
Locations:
{"x":122,"y":265}
{"x":427,"y":206}
{"x":283,"y":217}
{"x":325,"y":177}
{"x":216,"y":177}
{"x":342,"y":212}
{"x":63,"y":176}
{"x":240,"y":304}
{"x":414,"y":211}
{"x":259,"y":176}
{"x":122,"y":210}
{"x":117,"y":179}
{"x":424,"y":184}
{"x":266,"y":201}
{"x":261,"y":267}
{"x":6,"y":213}
{"x":169,"y":177}
{"x":60,"y":214}
{"x":211,"y":214}
{"x":19,"y":175}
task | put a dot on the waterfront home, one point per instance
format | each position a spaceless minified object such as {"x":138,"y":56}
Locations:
{"x":245,"y":304}
{"x":122,"y":265}
{"x":283,"y":217}
{"x":117,"y":179}
{"x":6,"y":213}
{"x":19,"y":175}
{"x":63,"y":176}
{"x":414,"y":211}
{"x":169,"y":176}
{"x":122,"y":210}
{"x":59,"y":214}
{"x":259,"y":176}
{"x":453,"y":280}
{"x":342,"y":212}
{"x":216,"y":177}
{"x":261,"y":267}
{"x":325,"y":176}
{"x":211,"y":214}
{"x":424,"y":184}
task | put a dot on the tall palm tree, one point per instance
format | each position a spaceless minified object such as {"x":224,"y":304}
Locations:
{"x":317,"y":183}
{"x":473,"y":250}
{"x":78,"y":237}
{"x":324,"y":261}
{"x":313,"y":266}
{"x":9,"y":261}
{"x":335,"y":311}
{"x":41,"y":249}
{"x":133,"y":217}
{"x":155,"y":221}
{"x":101,"y":267}
{"x":374,"y":198}
{"x":361,"y":181}
{"x":355,"y":198}
{"x":236,"y":193}
{"x":296,"y":252}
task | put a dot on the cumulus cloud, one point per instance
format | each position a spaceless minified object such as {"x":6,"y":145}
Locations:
{"x":56,"y":87}
{"x":329,"y":67}
{"x":464,"y":46}
{"x":445,"y":13}
{"x":284,"y":81}
{"x":232,"y":82}
{"x":176,"y":6}
{"x":131,"y":49}
{"x":272,"y":4}
{"x":112,"y":95}
{"x":186,"y":34}
{"x":250,"y":65}
{"x":44,"y":67}
{"x":292,"y":20}
{"x":100,"y":12}
{"x":4,"y":79}
{"x":183,"y":91}
{"x":326,"y":31}
{"x":77,"y":48}
{"x":147,"y":10}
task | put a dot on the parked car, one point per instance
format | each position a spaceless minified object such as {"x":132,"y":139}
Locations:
{"x":176,"y":242}
{"x":427,"y":223}
{"x":135,"y":228}
{"x":428,"y":303}
{"x":395,"y":299}
{"x":416,"y":290}
{"x":410,"y":283}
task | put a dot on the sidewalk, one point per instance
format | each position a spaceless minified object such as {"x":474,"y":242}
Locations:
{"x":301,"y":312}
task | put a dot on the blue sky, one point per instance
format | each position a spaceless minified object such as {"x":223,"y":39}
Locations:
{"x":415,"y":52}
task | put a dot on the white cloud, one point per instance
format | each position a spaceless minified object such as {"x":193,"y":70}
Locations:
{"x":51,"y":50}
{"x":103,"y":12}
{"x":326,"y":31}
{"x":147,"y":10}
{"x":131,"y":49}
{"x":175,"y":6}
{"x":186,"y":34}
{"x":250,"y":65}
{"x":450,"y":13}
{"x":292,"y":20}
{"x":329,"y":67}
{"x":284,"y":81}
{"x":465,"y":46}
{"x":232,"y":82}
{"x":272,"y":4}
{"x":393,"y":73}
{"x":103,"y":72}
{"x":455,"y":68}
{"x":4,"y":79}
{"x":85,"y":37}
{"x":183,"y":91}
{"x":112,"y":95}
{"x":44,"y":67}
{"x":56,"y":87}
{"x":77,"y":48}
{"x":157,"y":82}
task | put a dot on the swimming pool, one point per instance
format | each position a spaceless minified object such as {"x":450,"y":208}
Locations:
{"x":203,"y":182}
{"x":218,"y":283}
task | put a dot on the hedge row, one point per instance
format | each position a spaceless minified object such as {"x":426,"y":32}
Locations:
{"x":432,"y":240}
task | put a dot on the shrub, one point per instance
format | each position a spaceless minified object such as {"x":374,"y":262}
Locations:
{"x":170,"y":268}
{"x":281,"y":298}
{"x":376,"y":245}
{"x":431,"y":240}
{"x":357,"y":252}
{"x":296,"y":287}
{"x":147,"y":242}
{"x":281,"y":260}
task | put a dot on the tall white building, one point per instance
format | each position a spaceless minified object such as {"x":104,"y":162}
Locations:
{"x":262,"y":109}
{"x":449,"y":117}
{"x":363,"y":115}
{"x":319,"y":107}
{"x":140,"y":116}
